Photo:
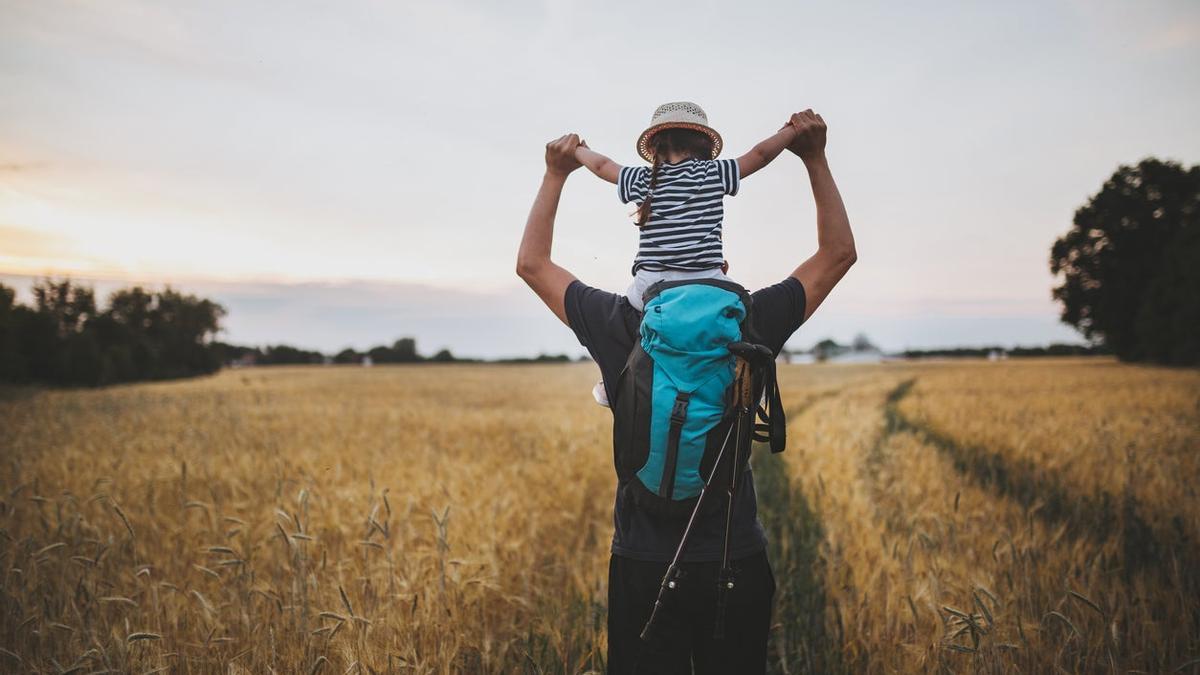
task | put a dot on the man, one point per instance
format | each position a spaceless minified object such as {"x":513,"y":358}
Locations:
{"x":607,"y":325}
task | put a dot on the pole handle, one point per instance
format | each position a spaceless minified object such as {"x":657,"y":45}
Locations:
{"x":651,"y":626}
{"x":667,"y":585}
{"x":724,"y":586}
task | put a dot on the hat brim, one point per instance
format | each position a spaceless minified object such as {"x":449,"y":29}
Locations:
{"x":643,"y":144}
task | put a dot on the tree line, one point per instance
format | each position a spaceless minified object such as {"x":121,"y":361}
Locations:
{"x":65,"y":338}
{"x":403,"y":350}
{"x":1055,"y":349}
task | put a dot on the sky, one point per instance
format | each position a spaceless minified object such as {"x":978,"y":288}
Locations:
{"x":343,"y":174}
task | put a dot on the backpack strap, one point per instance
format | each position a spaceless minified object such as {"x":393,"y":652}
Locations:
{"x":658,"y":287}
{"x":772,"y":424}
{"x":678,"y":416}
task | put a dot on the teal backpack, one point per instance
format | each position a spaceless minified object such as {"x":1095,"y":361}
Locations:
{"x":674,"y":403}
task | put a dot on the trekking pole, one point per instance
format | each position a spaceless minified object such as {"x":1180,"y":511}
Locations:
{"x":670,"y":579}
{"x":745,"y":427}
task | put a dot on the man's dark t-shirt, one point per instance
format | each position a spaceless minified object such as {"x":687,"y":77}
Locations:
{"x":607,"y":325}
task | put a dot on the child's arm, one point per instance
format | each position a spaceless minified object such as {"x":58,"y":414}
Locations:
{"x":762,"y":154}
{"x":599,"y":164}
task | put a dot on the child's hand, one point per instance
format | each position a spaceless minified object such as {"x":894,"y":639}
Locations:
{"x":810,"y":134}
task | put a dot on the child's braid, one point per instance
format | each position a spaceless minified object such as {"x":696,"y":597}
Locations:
{"x":692,"y":143}
{"x":659,"y":150}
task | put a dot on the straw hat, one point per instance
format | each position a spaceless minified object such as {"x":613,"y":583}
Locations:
{"x":677,"y":115}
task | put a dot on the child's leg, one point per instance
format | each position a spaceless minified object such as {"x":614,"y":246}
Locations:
{"x":634,"y":294}
{"x":642,"y":281}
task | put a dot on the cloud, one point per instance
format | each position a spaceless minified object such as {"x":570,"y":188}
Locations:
{"x":1160,"y":25}
{"x":1175,"y":36}
{"x":32,"y":252}
{"x":19,"y":242}
{"x":20,"y":167}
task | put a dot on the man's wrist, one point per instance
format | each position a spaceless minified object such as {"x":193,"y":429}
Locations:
{"x":555,"y":175}
{"x":814,"y":157}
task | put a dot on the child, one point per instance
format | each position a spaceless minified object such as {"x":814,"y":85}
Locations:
{"x":680,"y":196}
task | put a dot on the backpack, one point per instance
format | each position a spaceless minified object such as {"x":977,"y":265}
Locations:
{"x":674,"y":406}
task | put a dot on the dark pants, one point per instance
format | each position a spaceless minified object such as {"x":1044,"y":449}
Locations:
{"x":684,"y":636}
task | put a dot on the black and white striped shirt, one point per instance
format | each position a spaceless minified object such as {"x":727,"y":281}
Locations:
{"x":684,"y":228}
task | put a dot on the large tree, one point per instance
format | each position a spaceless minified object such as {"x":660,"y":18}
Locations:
{"x":1130,"y":265}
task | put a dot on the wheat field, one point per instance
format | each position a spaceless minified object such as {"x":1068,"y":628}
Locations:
{"x":1021,"y":516}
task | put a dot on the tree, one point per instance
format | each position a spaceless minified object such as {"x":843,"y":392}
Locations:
{"x":404,"y":350}
{"x":184,"y":325}
{"x":12,"y":361}
{"x":348,"y":355}
{"x":68,"y":305}
{"x":1130,"y":265}
{"x":827,"y":348}
{"x":286,"y":354}
{"x":863,"y":344}
{"x":135,"y":352}
{"x":66,"y":339}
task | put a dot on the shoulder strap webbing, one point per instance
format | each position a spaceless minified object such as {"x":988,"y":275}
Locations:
{"x":772,"y":424}
{"x":678,"y":416}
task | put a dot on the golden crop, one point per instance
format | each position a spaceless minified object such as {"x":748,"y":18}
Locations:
{"x":1009,"y":517}
{"x":429,"y":519}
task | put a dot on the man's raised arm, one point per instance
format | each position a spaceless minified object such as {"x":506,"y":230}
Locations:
{"x":534,"y":265}
{"x":835,"y":242}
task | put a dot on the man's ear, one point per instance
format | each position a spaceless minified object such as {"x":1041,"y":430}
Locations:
{"x":725,"y":267}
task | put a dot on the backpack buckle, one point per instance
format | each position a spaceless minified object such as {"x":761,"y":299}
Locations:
{"x":679,"y":410}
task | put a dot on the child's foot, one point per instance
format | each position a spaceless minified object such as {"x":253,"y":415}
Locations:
{"x":599,"y":394}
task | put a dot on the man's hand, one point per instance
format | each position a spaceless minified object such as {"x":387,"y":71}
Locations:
{"x":560,"y":155}
{"x":810,"y":135}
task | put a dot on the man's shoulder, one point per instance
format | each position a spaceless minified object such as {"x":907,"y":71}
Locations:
{"x":788,"y":288}
{"x":777,"y":311}
{"x":596,"y":314}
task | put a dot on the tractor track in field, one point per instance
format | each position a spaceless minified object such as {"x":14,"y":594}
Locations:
{"x":1045,"y":494}
{"x":799,"y":641}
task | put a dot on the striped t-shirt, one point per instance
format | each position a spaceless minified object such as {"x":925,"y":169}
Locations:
{"x":684,"y":228}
